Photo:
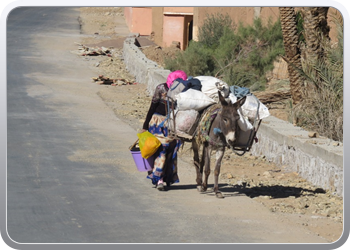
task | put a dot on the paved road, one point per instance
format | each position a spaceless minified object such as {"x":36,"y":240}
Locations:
{"x":70,"y":177}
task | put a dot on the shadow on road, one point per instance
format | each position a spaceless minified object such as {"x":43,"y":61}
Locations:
{"x":180,"y":187}
{"x":274,"y":192}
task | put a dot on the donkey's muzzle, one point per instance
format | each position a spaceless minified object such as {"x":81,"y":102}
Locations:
{"x":231,"y":138}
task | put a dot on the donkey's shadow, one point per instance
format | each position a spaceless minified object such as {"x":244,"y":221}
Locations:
{"x":274,"y":191}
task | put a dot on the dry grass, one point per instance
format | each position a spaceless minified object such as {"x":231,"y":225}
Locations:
{"x":322,"y":111}
{"x":322,"y":107}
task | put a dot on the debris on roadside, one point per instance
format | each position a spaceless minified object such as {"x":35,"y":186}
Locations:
{"x":97,"y":51}
{"x":103,"y":80}
{"x":313,"y":134}
{"x":109,"y":61}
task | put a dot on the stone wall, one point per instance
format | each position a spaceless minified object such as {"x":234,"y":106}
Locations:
{"x":318,"y":160}
{"x":145,"y":71}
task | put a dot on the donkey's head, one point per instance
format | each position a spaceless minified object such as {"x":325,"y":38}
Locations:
{"x":228,"y":122}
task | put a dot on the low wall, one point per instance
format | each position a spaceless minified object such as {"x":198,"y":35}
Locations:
{"x":318,"y":160}
{"x":145,"y":71}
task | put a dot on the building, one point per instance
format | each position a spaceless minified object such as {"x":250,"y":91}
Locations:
{"x":166,"y":25}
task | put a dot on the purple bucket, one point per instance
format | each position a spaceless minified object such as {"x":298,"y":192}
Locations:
{"x":142,"y":164}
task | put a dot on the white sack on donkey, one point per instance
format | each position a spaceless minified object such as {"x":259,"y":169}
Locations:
{"x":184,"y":120}
{"x":251,"y":106}
{"x":193,"y":99}
{"x":211,"y":85}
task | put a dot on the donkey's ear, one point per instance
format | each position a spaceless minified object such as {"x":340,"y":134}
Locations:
{"x":222,"y":99}
{"x":240,"y":102}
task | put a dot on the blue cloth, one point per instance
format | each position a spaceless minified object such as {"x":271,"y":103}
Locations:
{"x":217,"y":131}
{"x":164,"y":166}
{"x":239,"y":92}
{"x":191,"y":83}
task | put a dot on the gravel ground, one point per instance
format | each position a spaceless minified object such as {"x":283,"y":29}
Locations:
{"x":277,"y":189}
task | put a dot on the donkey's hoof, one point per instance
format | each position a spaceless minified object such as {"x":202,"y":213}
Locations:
{"x":219,"y":195}
{"x":200,"y":189}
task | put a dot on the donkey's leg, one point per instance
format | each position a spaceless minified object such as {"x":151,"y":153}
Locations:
{"x":206,"y":160}
{"x":219,"y":154}
{"x":197,"y":163}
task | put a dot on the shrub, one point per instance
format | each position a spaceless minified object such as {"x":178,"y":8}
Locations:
{"x":213,"y":29}
{"x":245,"y":55}
{"x":195,"y":61}
{"x":240,"y":55}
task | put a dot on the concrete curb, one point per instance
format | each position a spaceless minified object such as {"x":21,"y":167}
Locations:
{"x":315,"y":159}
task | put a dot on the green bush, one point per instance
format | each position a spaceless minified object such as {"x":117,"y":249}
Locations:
{"x":213,"y":29}
{"x":240,"y":55}
{"x":195,"y":61}
{"x":247,"y":53}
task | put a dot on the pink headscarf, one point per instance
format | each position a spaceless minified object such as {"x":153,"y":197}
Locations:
{"x":174,"y":75}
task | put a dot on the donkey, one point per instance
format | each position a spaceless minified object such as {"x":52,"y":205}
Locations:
{"x":217,"y":130}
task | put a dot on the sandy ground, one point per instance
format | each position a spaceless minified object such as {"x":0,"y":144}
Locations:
{"x":280,"y":191}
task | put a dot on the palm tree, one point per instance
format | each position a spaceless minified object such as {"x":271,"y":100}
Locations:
{"x":292,"y":52}
{"x":315,"y":27}
{"x":316,"y":33}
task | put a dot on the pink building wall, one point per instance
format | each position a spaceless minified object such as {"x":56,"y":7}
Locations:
{"x":173,"y":30}
{"x":186,"y":10}
{"x":139,"y":19}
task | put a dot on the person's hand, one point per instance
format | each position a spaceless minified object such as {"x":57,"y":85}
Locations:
{"x":142,"y":130}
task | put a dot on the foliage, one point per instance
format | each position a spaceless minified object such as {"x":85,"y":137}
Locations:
{"x":322,"y":107}
{"x":240,"y":55}
{"x":213,"y":29}
{"x":196,"y":60}
{"x":300,"y":26}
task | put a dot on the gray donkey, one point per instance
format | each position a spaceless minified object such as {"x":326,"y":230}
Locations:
{"x":217,"y":129}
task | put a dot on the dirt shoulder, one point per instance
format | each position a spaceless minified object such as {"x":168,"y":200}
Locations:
{"x":281,"y":191}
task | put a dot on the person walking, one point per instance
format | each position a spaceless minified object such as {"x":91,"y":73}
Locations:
{"x":165,"y":163}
